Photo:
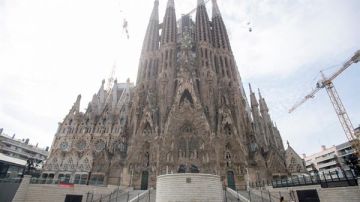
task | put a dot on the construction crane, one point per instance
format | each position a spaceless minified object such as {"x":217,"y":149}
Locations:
{"x":336,"y":101}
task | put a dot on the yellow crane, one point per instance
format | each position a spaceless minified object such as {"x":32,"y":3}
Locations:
{"x":326,"y":82}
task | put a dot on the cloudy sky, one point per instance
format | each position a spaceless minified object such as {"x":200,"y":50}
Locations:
{"x":53,"y":50}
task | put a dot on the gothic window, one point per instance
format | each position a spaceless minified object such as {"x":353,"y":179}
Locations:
{"x":182,"y":148}
{"x":147,"y":159}
{"x":187,"y":128}
{"x":147,"y":129}
{"x":227,"y":129}
{"x":80,"y":145}
{"x":120,"y":146}
{"x":228,"y":158}
{"x":193,"y":148}
{"x":64,"y":146}
{"x":100,"y":145}
{"x":70,"y":121}
{"x":186,"y":95}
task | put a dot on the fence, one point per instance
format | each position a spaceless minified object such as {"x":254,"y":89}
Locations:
{"x":326,"y":180}
{"x":255,"y":195}
{"x":119,"y":195}
{"x":10,"y":180}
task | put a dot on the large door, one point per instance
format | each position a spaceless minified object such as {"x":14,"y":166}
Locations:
{"x":231,"y":180}
{"x":144,"y":180}
{"x":308,"y":195}
{"x":73,"y":198}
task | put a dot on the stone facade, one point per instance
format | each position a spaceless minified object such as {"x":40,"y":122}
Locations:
{"x":294,"y":163}
{"x":188,"y":112}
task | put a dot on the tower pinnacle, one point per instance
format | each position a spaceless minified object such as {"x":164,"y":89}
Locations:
{"x":171,"y":4}
{"x":216,"y":10}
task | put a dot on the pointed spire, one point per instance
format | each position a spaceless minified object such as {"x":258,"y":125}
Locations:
{"x":253,"y":100}
{"x":203,"y":31}
{"x":168,"y":34}
{"x":155,"y":11}
{"x":260,"y":97}
{"x":171,"y":4}
{"x":221,"y":38}
{"x":263,"y":105}
{"x":151,"y":39}
{"x":76,"y":106}
{"x":250,"y":88}
{"x":200,"y":2}
{"x":216,"y":10}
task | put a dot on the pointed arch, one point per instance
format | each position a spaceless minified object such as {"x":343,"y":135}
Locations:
{"x":227,"y":129}
{"x":186,"y":95}
{"x":147,"y":129}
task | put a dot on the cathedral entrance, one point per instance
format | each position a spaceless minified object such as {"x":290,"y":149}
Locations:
{"x":231,"y":180}
{"x":144,"y":180}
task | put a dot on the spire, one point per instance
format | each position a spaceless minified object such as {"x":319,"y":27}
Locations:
{"x":221,"y":38}
{"x":168,"y":34}
{"x":260,"y":97}
{"x":263,"y":105}
{"x":254,"y":103}
{"x":151,"y":39}
{"x":76,"y":106}
{"x":200,"y":2}
{"x":170,"y":4}
{"x":216,"y":10}
{"x":203,"y":31}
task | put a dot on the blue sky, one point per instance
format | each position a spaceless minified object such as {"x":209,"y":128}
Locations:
{"x":51,"y":51}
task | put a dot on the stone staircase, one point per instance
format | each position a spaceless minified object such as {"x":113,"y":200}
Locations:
{"x":128,"y":196}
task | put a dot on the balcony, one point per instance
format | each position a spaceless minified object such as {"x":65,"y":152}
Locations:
{"x":325,"y":158}
{"x":323,"y":165}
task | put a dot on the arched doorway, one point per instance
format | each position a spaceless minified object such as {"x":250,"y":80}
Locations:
{"x":144,"y":180}
{"x":231,"y":180}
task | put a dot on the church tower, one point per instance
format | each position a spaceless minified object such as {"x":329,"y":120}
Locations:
{"x":187,"y":113}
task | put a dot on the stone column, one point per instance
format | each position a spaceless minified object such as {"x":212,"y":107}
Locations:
{"x":20,"y":195}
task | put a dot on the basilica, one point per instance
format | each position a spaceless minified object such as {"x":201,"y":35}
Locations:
{"x":188,"y":112}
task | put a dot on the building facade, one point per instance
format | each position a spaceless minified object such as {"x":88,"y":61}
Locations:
{"x":14,"y":154}
{"x":187,"y":113}
{"x":294,"y":163}
{"x":331,"y":161}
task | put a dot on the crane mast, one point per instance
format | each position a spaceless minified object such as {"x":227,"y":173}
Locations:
{"x":336,"y":101}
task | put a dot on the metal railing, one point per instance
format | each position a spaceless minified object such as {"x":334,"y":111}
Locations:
{"x":10,"y":180}
{"x":119,"y":195}
{"x":330,"y":179}
{"x":247,"y":194}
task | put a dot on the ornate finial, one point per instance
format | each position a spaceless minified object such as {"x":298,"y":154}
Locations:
{"x":200,"y":2}
{"x":103,"y":82}
{"x":287,"y":142}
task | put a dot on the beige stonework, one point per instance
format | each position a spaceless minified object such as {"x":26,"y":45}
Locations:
{"x":187,"y":110}
{"x":189,"y":187}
